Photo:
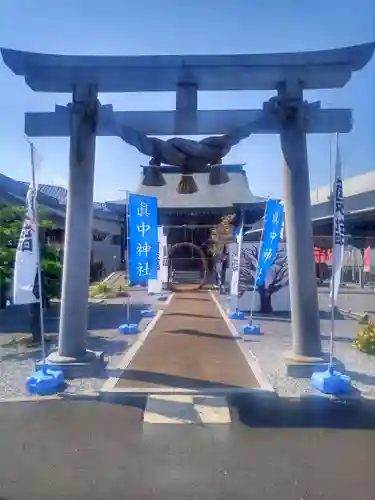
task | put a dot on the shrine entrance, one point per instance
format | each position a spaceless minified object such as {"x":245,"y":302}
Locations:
{"x":287,"y":114}
{"x":184,"y":239}
{"x":188,"y":266}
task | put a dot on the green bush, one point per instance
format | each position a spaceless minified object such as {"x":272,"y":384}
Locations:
{"x":99,"y":289}
{"x":52,"y":271}
{"x":11,"y":220}
{"x":365,"y":340}
{"x":364,"y":319}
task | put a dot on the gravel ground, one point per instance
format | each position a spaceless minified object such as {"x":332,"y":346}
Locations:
{"x":276,"y":339}
{"x":17,"y":361}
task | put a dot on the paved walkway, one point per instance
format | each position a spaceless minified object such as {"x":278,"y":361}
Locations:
{"x":190,"y":347}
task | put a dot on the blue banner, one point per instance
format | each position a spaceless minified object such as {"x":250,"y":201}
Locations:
{"x":143,"y":238}
{"x":273,"y":223}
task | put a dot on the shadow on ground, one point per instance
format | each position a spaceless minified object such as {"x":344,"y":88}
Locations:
{"x":191,"y":315}
{"x":136,"y":378}
{"x":306,"y":412}
{"x":364,"y":378}
{"x":198,"y":333}
{"x":200,"y":299}
{"x":286,"y":316}
{"x":259,"y":409}
{"x":109,"y":346}
{"x":338,"y":338}
{"x":102,"y":316}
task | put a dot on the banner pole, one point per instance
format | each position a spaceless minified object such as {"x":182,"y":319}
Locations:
{"x":332,"y":301}
{"x":332,"y":381}
{"x":239,"y":250}
{"x":331,"y":343}
{"x":257,"y":268}
{"x":127,"y":258}
{"x":331,"y":337}
{"x":161,"y":262}
{"x":38,"y":259}
{"x":336,"y":257}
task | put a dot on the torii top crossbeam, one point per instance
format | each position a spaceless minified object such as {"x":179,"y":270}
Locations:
{"x":315,"y":70}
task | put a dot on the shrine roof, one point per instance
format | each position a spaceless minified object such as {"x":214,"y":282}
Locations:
{"x":235,"y":192}
{"x":316,"y":69}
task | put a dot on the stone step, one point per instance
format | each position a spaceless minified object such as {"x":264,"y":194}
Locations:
{"x":186,"y":277}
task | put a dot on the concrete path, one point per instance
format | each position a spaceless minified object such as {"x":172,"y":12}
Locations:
{"x":191,"y":349}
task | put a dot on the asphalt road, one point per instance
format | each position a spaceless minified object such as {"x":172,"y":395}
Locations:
{"x":92,"y":450}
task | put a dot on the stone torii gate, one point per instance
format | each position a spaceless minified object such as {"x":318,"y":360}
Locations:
{"x":84,"y":119}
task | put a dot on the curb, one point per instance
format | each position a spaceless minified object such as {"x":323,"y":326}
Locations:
{"x":357,"y":316}
{"x":92,"y":396}
{"x":108,"y":385}
{"x":108,"y":277}
{"x":30,"y":399}
{"x":169,"y":299}
{"x":251,"y":359}
{"x":108,"y":391}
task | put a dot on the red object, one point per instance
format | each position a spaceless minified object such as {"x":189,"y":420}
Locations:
{"x":322,"y":255}
{"x":367,"y":260}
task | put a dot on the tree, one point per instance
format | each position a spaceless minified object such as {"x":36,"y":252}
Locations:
{"x":11,"y":220}
{"x":222,"y":233}
{"x":277,"y":277}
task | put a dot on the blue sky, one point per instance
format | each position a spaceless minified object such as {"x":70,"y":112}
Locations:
{"x":128,"y":27}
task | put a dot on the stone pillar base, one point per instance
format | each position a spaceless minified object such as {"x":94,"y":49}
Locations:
{"x":298,"y":366}
{"x":88,"y":365}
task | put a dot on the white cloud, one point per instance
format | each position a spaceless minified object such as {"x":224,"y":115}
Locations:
{"x":59,"y":181}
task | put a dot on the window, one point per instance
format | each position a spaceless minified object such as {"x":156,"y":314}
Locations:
{"x":116,"y":239}
{"x":96,"y":236}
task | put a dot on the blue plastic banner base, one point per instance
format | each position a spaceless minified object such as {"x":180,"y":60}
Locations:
{"x":251,"y":329}
{"x":127,"y":329}
{"x":237,"y":315}
{"x":45,"y":382}
{"x":147,"y":313}
{"x":162,"y":298}
{"x":331,"y":382}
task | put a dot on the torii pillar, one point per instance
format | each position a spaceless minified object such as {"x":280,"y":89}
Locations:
{"x":299,"y":232}
{"x":287,"y":74}
{"x":72,"y":350}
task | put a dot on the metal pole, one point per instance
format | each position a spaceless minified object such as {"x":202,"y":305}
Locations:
{"x":330,"y":164}
{"x":239,"y":250}
{"x":127,"y":257}
{"x":330,"y":157}
{"x":352,"y":262}
{"x":257,"y":268}
{"x":39,"y":270}
{"x":334,"y":257}
{"x":331,"y":343}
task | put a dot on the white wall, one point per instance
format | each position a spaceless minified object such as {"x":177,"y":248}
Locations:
{"x":107,"y":253}
{"x":280,"y":300}
{"x":104,"y":250}
{"x":107,"y":226}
